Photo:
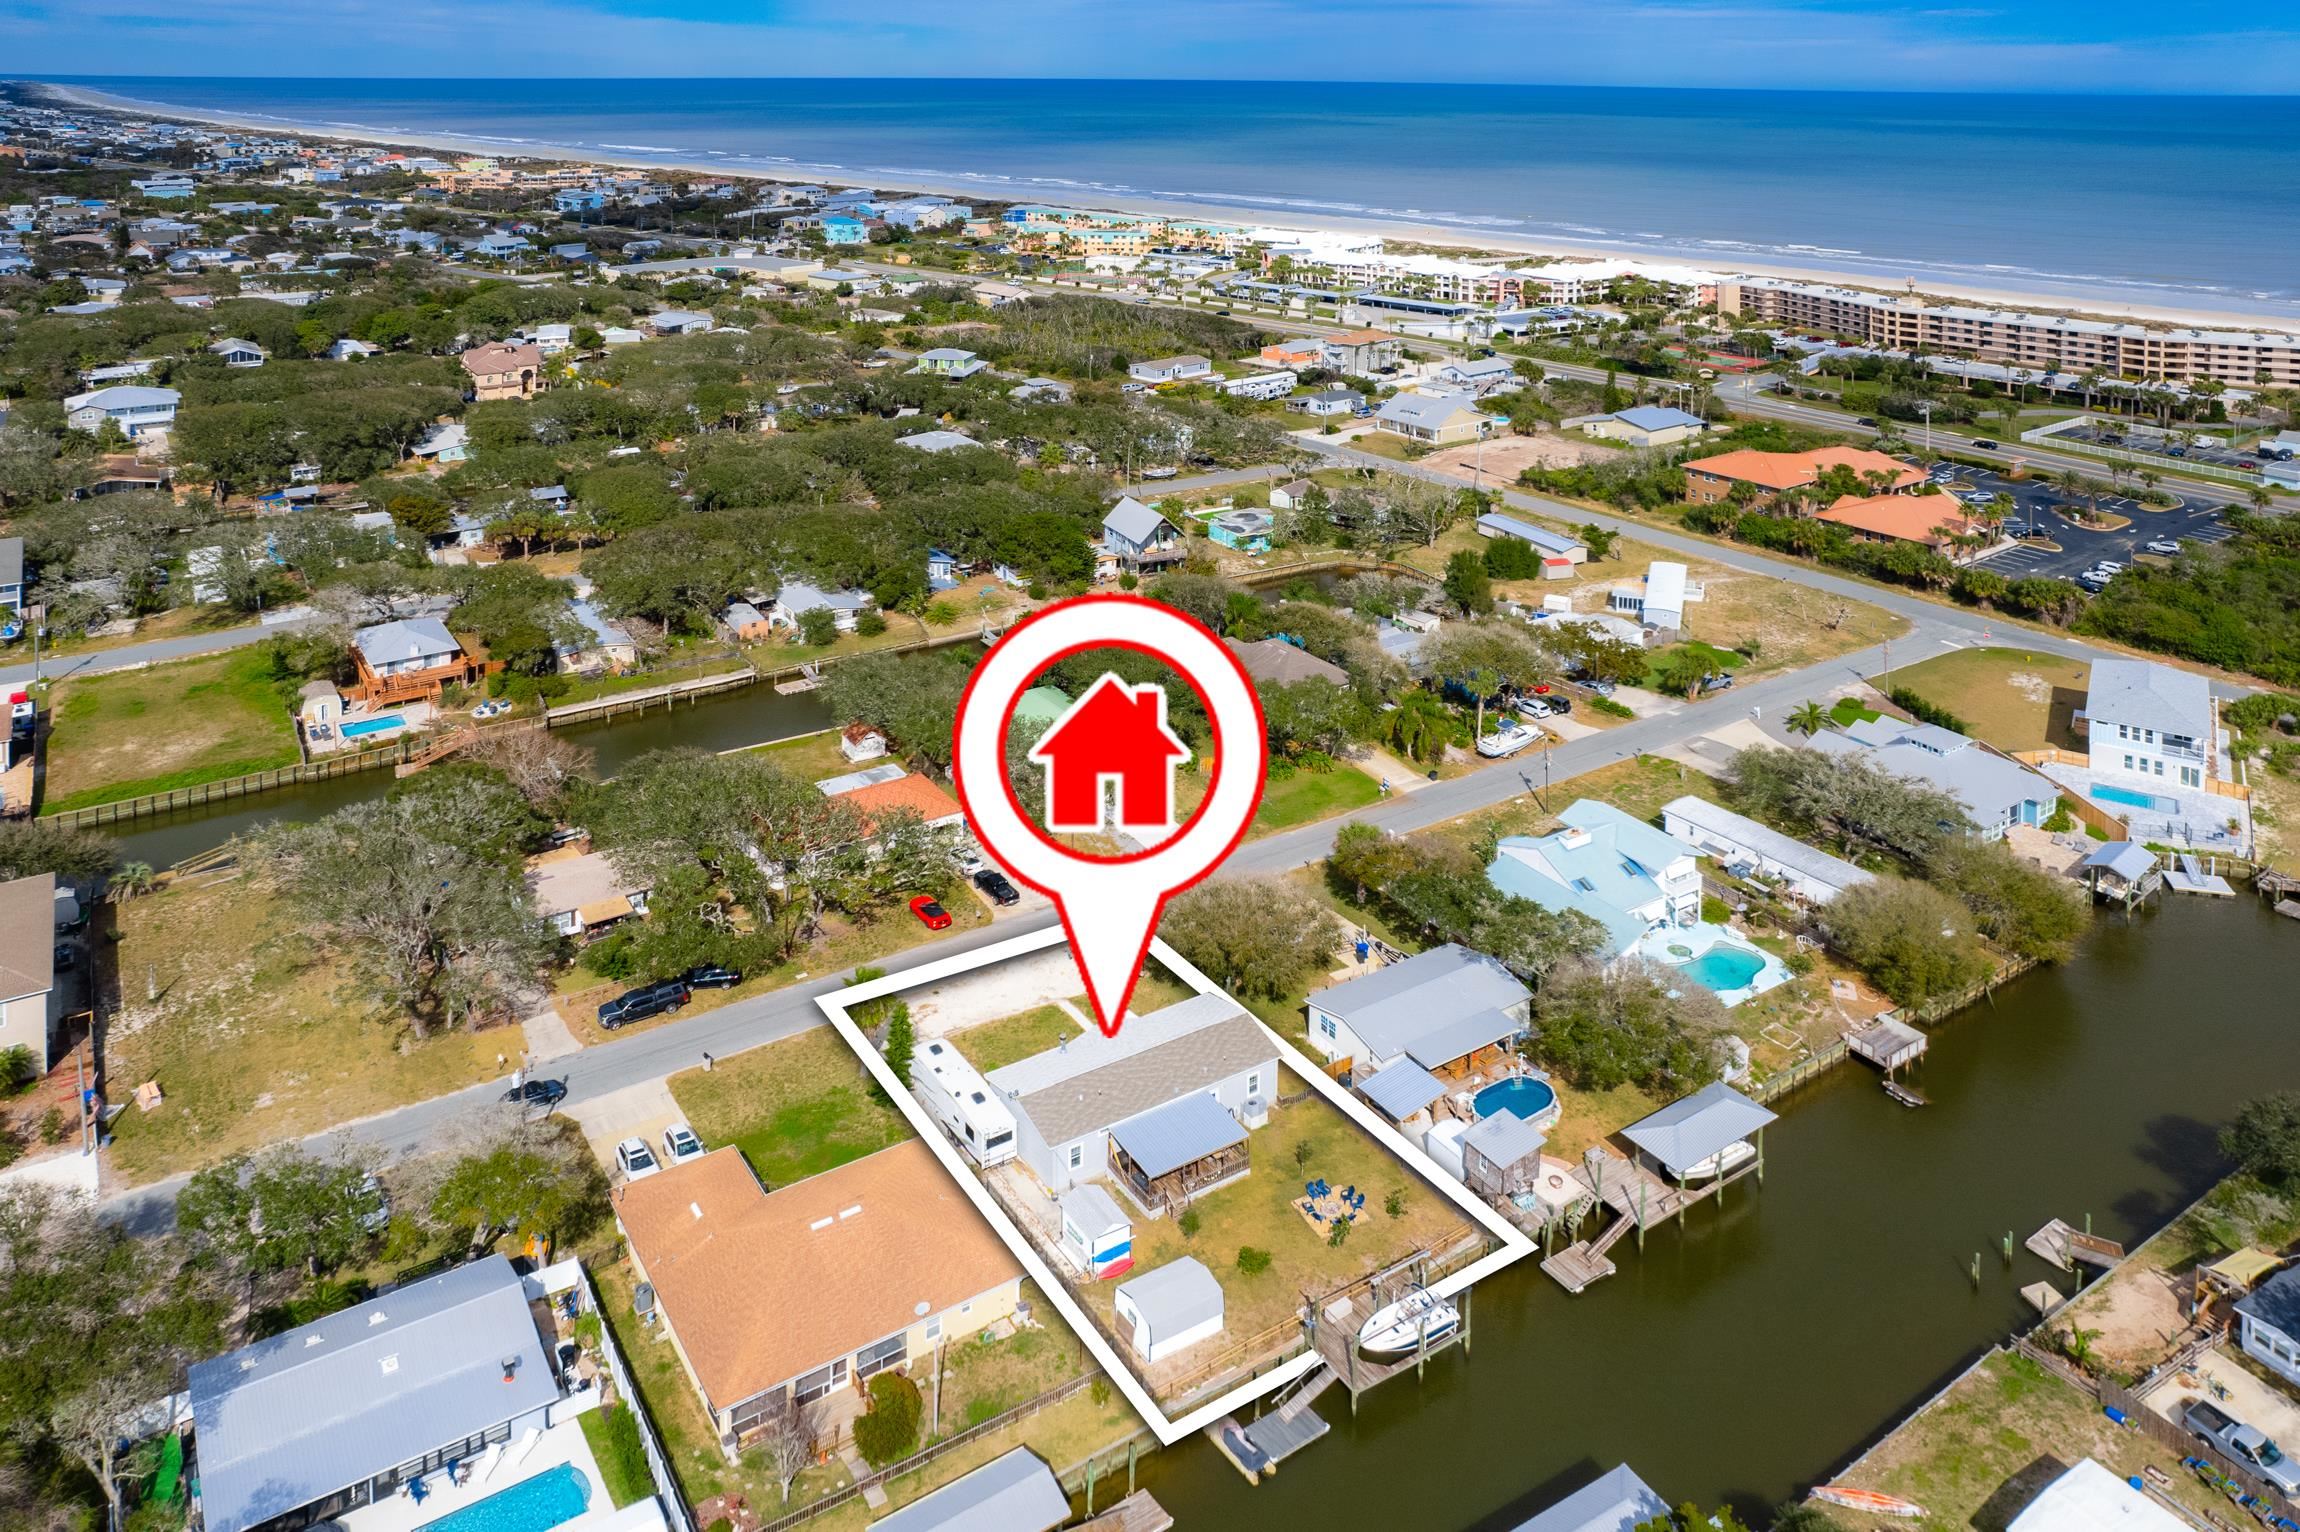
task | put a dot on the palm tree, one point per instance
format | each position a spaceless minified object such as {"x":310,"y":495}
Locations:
{"x":1809,"y":719}
{"x":1419,"y":725}
{"x":133,"y":878}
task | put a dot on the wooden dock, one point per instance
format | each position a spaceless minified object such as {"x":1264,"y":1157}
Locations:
{"x":1639,"y":1199}
{"x":1334,"y":1335}
{"x":806,"y":680}
{"x":1136,"y":1513}
{"x":2064,"y":1246}
{"x":2189,"y":877}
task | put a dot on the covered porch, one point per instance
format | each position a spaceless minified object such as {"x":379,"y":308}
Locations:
{"x":1173,"y":1154}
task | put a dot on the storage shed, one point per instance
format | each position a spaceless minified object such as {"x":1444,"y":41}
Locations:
{"x":1096,"y":1233}
{"x":1170,"y":1309}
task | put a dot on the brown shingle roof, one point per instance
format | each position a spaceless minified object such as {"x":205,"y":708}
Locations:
{"x":1281,"y":664}
{"x":763,"y":1287}
{"x":28,"y":936}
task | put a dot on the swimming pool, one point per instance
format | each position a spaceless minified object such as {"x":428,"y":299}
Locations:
{"x":2134,"y":798}
{"x":552,"y":1497}
{"x":1725,"y":967}
{"x":1520,"y":1096}
{"x":357,"y":727}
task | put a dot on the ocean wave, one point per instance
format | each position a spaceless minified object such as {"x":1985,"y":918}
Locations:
{"x":646,"y":148}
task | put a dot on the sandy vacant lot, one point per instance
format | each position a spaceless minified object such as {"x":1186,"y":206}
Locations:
{"x":1505,"y":457}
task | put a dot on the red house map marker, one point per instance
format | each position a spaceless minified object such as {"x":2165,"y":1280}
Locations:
{"x":1110,"y":759}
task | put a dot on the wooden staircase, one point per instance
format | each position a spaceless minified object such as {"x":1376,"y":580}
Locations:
{"x":438,"y":750}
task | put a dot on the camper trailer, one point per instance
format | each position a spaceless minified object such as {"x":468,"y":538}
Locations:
{"x":949,"y":1088}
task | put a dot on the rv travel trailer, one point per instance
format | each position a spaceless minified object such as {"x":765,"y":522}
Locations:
{"x":948,"y":1087}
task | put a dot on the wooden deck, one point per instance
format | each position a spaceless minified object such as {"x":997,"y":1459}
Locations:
{"x":1577,"y":1266}
{"x":1335,"y":1335}
{"x":1638,"y":1198}
{"x":1136,"y":1513}
{"x":2064,"y":1246}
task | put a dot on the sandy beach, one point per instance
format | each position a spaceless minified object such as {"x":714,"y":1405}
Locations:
{"x":1473,"y":244}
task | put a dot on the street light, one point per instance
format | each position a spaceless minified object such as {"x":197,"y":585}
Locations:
{"x":1926,"y":409}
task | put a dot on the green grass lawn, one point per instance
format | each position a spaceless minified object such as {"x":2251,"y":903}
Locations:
{"x":1711,"y":656}
{"x":147,"y":731}
{"x":1307,"y":795}
{"x":796,"y":1108}
{"x":613,"y":1436}
{"x":1849,"y":711}
{"x":996,"y":1044}
{"x":2013,"y":699}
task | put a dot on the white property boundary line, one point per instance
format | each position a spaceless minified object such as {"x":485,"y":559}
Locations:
{"x":1515,"y":1245}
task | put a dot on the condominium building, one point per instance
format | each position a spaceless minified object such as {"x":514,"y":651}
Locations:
{"x":2017,"y":337}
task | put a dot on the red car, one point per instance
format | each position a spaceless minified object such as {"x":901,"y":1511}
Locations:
{"x":930,"y":912}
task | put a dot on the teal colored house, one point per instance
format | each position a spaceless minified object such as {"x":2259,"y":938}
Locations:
{"x":1621,"y":872}
{"x":839,"y":229}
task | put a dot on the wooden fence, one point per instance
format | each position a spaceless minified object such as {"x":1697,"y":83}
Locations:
{"x":322,"y":770}
{"x":1783,"y":1081}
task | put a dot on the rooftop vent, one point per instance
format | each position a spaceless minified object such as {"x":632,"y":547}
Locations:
{"x":846,"y":1213}
{"x":822,"y":1223}
{"x":695,"y":1208}
{"x":390,"y":1364}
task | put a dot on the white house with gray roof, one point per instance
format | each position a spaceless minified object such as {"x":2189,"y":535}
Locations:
{"x":1741,"y":843}
{"x":1173,"y":1091}
{"x":1439,"y":419}
{"x":1016,"y":1492}
{"x":1995,"y":791}
{"x":797,"y":597}
{"x":30,"y":1006}
{"x":2145,"y":720}
{"x":1434,"y":1008}
{"x":1137,"y":537}
{"x":134,"y":408}
{"x":1613,"y":868}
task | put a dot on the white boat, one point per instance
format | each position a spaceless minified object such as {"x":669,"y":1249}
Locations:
{"x":1508,"y":739}
{"x":1420,"y":1319}
{"x":1730,"y":1158}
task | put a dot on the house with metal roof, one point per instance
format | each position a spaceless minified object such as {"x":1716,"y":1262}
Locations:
{"x":134,"y":408}
{"x":1617,"y":870}
{"x":1549,"y":544}
{"x":797,"y":598}
{"x":1136,"y":537}
{"x":1692,"y":1137}
{"x":1015,"y":1492}
{"x":1169,"y":1308}
{"x":407,"y":659}
{"x":2148,"y":720}
{"x":1162,"y":1111}
{"x":30,"y":1006}
{"x":1647,"y":425}
{"x":936,"y":441}
{"x":1995,"y":791}
{"x":1618,"y":1502}
{"x":1170,"y":369}
{"x":1743,"y":846}
{"x":604,"y":646}
{"x":342,"y":1412}
{"x":1438,"y":419}
{"x":949,"y":362}
{"x":1436,"y":1008}
{"x":1402,"y":1091}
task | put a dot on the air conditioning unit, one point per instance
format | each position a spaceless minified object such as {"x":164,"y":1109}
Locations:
{"x":1257,"y":1112}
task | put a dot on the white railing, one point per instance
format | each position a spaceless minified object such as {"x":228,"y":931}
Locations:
{"x":674,"y":1504}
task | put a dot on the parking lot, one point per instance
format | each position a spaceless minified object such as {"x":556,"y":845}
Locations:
{"x":2042,"y":509}
{"x":2140,"y":438}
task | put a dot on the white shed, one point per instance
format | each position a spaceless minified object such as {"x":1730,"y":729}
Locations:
{"x":1172,"y":1308}
{"x":1095,"y":1232}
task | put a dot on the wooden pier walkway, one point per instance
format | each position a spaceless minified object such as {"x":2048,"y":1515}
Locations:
{"x":1638,"y":1198}
{"x":2063,"y":1245}
{"x":1334,"y":1335}
{"x":1136,"y":1513}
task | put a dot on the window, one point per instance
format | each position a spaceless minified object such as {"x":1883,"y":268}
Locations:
{"x":746,"y":1416}
{"x":1326,"y":1026}
{"x":2191,"y":776}
{"x":1077,"y":1155}
{"x":892,"y":1352}
{"x":1254,"y":1083}
{"x":2128,"y":763}
{"x":820,"y":1382}
{"x":934,"y":1330}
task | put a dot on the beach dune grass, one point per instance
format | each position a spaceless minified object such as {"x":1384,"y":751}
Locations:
{"x":146,"y":731}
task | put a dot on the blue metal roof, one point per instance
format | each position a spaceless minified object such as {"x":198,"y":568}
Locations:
{"x":1179,"y":1133}
{"x":1684,"y":1133}
{"x":1619,"y":1502}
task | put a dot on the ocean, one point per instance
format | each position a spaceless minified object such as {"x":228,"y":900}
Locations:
{"x":2170,"y":202}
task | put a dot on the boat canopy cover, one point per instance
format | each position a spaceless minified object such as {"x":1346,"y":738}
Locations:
{"x":1684,"y":1133}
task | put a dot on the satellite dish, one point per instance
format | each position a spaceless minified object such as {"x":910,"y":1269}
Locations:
{"x":924,"y":1308}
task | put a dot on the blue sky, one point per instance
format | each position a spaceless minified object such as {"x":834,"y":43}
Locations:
{"x":2052,"y":45}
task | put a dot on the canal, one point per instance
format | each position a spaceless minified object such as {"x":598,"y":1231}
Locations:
{"x":1779,"y":1333}
{"x":724,"y":721}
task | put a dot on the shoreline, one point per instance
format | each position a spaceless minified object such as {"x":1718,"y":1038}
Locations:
{"x":1480,"y":242}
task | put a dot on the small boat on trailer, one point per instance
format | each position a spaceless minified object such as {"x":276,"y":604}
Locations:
{"x":1905,"y":1095}
{"x":1867,"y":1500}
{"x":1416,"y":1322}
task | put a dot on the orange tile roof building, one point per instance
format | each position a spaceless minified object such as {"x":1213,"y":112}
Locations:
{"x":817,"y":1287}
{"x":931,"y":802}
{"x":1929,"y":519}
{"x":1710,"y":479}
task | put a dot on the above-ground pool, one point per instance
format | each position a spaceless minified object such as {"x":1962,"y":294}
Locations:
{"x":1725,"y":967}
{"x":356,"y":727}
{"x":552,"y":1497}
{"x":1520,"y":1096}
{"x":2132,"y":797}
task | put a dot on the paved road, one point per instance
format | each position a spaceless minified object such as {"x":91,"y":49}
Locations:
{"x":95,"y":662}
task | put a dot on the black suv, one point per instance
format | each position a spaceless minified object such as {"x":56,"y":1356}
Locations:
{"x":994,"y":883}
{"x":639,"y":1004}
{"x":537,"y":1093}
{"x":713,"y":976}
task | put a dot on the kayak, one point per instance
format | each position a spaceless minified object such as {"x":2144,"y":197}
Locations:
{"x":1867,"y":1500}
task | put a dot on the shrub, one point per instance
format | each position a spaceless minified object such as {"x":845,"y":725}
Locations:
{"x":1302,"y":1154}
{"x":612,"y":956}
{"x":1927,"y":712}
{"x":1252,"y":1262}
{"x":1609,"y":708}
{"x":1340,"y":1234}
{"x":1128,"y":580}
{"x":1395,"y":1203}
{"x":941,"y":614}
{"x":622,"y":1460}
{"x":1189,"y":1223}
{"x":818,"y":626}
{"x":1915,"y":941}
{"x":53,"y":1129}
{"x":871,"y":623}
{"x":17,"y":1069}
{"x":888,"y":1431}
{"x":2265,"y":1138}
{"x":1509,"y":558}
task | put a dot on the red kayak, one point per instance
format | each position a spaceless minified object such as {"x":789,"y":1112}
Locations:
{"x":1867,"y":1500}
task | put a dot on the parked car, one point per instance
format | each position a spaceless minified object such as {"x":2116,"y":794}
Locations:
{"x":1866,"y":421}
{"x":968,"y":861}
{"x":2109,"y":567}
{"x":995,"y":883}
{"x":2247,"y":464}
{"x":1717,"y":681}
{"x":635,"y":1159}
{"x":930,"y":912}
{"x":537,"y":1093}
{"x":643,"y":1002}
{"x":680,"y":1144}
{"x":2164,"y":545}
{"x":713,"y":976}
{"x":2247,"y":1443}
{"x":1534,"y":707}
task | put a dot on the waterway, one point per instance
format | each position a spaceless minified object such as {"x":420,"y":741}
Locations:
{"x":724,"y":721}
{"x":1783,"y":1330}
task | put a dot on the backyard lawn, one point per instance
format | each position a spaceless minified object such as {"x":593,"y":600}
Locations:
{"x":2010,"y":698}
{"x":249,"y":1039}
{"x":146,"y":731}
{"x":1302,"y":796}
{"x":796,"y":1108}
{"x":996,"y":1044}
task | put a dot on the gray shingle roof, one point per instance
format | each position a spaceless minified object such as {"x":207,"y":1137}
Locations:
{"x":11,"y":560}
{"x":1096,"y":1082}
{"x":1657,"y":417}
{"x":2276,"y":1301}
{"x":28,"y":936}
{"x":1391,"y":1009}
{"x":1179,"y":1133}
{"x":1684,"y":1133}
{"x":292,"y":1419}
{"x":1428,"y":411}
{"x":1281,"y":664}
{"x":2149,"y":696}
{"x":1013,"y":1493}
{"x":1175,"y":1296}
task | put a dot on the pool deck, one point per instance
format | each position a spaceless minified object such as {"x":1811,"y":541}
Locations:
{"x":1701,"y":938}
{"x":563,"y":1443}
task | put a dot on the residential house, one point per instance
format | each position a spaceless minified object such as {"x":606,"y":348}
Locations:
{"x":603,"y":647}
{"x":746,"y":622}
{"x":350,"y":1410}
{"x":1934,"y":521}
{"x":798,"y":597}
{"x":2268,"y":1323}
{"x":942,"y":570}
{"x":12,"y":573}
{"x":676,"y":322}
{"x":1711,"y":479}
{"x":499,"y":371}
{"x":1296,"y":351}
{"x":1647,"y":425}
{"x":31,"y":1006}
{"x":1621,"y":872}
{"x":1995,"y":791}
{"x":949,"y":362}
{"x":2089,"y":1498}
{"x":908,"y":792}
{"x":1137,"y":538}
{"x":1170,"y":1308}
{"x":554,"y":339}
{"x":1246,"y":530}
{"x":1482,"y":377}
{"x":937,"y":441}
{"x":239,"y":353}
{"x":500,"y":247}
{"x":408,"y":659}
{"x":581,"y":893}
{"x":1291,"y":495}
{"x":1364,"y":352}
{"x":1748,"y":849}
{"x":844,"y":229}
{"x":1437,"y":1008}
{"x":1274,"y":662}
{"x":1560,"y":546}
{"x":1618,"y":1502}
{"x":1014,"y":1492}
{"x":1438,"y":419}
{"x":349,"y":350}
{"x":1040,"y":390}
{"x":1327,"y":403}
{"x":813,"y":1289}
{"x":2142,"y":720}
{"x":136,"y":410}
{"x":1161,"y":1110}
{"x":1171,"y":369}
{"x":1259,"y":385}
{"x":448,"y":443}
{"x":1658,"y":600}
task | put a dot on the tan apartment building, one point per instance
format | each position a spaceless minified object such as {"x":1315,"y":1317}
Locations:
{"x":2017,"y":337}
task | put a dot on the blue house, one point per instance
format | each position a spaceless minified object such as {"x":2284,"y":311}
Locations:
{"x":12,"y":573}
{"x":941,"y":570}
{"x":1620,"y":872}
{"x":579,"y":199}
{"x":840,"y":229}
{"x":1137,"y":537}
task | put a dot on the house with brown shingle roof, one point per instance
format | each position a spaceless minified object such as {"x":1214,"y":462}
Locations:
{"x":1711,"y":479}
{"x":815,"y":1288}
{"x":29,"y":1005}
{"x":503,"y":372}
